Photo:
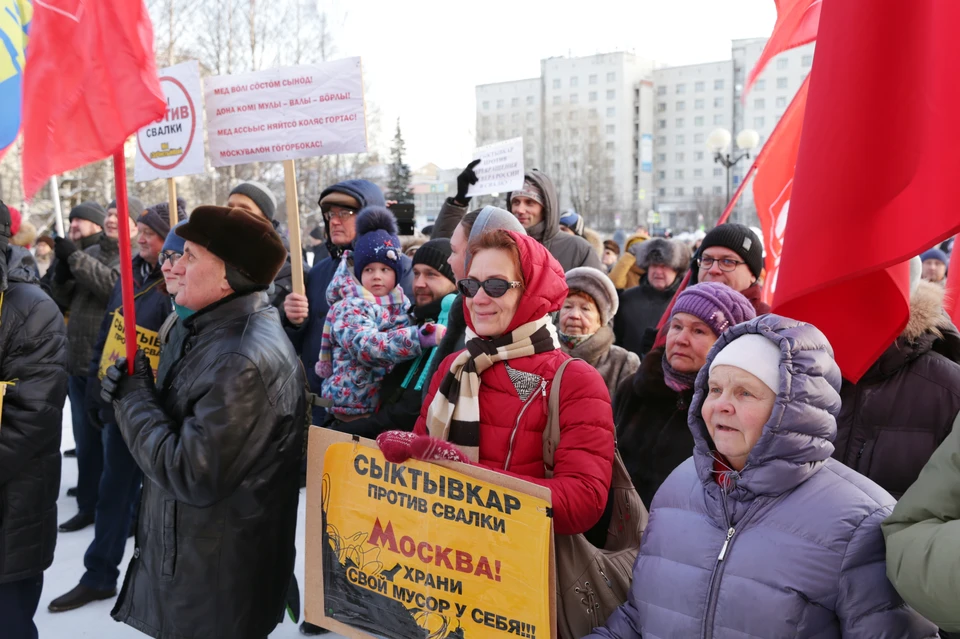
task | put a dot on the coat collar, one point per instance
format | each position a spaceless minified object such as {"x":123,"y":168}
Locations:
{"x":230,"y":307}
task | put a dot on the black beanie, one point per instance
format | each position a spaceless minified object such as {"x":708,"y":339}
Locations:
{"x":739,"y":239}
{"x":434,"y":254}
{"x":90,"y":211}
{"x":261,"y":195}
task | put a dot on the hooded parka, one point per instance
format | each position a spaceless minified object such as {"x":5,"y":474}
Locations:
{"x":511,"y":428}
{"x":791,"y":547}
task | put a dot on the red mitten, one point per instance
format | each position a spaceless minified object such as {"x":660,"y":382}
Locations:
{"x":432,"y":449}
{"x":395,"y":445}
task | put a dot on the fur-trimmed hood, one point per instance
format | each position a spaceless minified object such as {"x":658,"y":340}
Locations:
{"x":595,"y":240}
{"x":659,"y":250}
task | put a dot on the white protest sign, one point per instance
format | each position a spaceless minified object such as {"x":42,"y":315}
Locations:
{"x":286,"y":113}
{"x":173,"y":145}
{"x":500,"y":169}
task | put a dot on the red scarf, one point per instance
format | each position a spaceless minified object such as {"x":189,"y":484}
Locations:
{"x":721,"y":470}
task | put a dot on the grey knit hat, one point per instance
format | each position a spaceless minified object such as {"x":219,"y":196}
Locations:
{"x":261,"y":195}
{"x":598,"y":286}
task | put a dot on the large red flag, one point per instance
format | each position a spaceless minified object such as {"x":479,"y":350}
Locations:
{"x":796,"y":25}
{"x":875,"y":173}
{"x":773,"y":185}
{"x":89,"y":83}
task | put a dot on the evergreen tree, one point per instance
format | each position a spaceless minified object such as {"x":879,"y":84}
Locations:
{"x":398,"y":188}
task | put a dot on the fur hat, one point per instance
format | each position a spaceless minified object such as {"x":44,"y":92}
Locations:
{"x":242,"y":239}
{"x":45,"y":239}
{"x":377,"y":240}
{"x":659,"y":250}
{"x":716,"y":305}
{"x":611,"y":245}
{"x":598,"y":286}
{"x":26,"y":235}
{"x":739,"y":239}
{"x":261,"y":195}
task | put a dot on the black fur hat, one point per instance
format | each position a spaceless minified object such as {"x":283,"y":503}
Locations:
{"x":659,"y":250}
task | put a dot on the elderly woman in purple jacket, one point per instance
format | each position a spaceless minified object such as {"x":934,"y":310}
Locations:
{"x":761,"y":533}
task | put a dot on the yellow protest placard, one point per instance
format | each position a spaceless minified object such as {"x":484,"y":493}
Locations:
{"x":115,"y":347}
{"x":421,"y":550}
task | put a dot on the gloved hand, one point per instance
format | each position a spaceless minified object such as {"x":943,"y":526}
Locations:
{"x":395,"y":445}
{"x":464,"y":180}
{"x":117,"y":384}
{"x":431,"y":334}
{"x":398,"y":446}
{"x":63,"y":248}
{"x":62,"y":273}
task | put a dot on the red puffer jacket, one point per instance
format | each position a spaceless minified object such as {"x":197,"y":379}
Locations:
{"x":511,"y":430}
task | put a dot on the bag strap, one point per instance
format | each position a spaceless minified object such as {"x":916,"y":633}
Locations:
{"x":551,"y":434}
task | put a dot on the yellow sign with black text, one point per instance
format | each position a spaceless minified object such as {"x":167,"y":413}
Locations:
{"x":115,"y":347}
{"x":420,"y":550}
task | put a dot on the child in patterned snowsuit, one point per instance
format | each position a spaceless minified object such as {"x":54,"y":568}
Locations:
{"x":367,"y":330}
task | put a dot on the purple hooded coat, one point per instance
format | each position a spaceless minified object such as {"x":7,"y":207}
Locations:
{"x":804,"y":554}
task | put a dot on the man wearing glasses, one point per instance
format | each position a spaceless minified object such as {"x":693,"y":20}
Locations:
{"x":732,"y":254}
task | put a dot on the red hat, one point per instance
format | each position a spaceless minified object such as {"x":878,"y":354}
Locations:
{"x":15,"y":219}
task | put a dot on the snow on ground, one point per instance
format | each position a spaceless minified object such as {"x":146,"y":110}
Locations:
{"x":93,"y":620}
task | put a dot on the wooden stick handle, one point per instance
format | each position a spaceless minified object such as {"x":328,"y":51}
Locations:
{"x":293,"y":224}
{"x":172,"y":198}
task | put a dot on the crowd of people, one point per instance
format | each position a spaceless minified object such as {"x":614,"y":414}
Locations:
{"x":772,"y":482}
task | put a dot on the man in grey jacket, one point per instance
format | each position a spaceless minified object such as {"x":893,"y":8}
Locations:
{"x":86,"y":270}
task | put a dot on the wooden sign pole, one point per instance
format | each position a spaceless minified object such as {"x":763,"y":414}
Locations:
{"x":172,"y":197}
{"x":293,"y":226}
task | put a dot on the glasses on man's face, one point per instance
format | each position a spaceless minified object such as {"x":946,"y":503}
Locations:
{"x":726,"y":264}
{"x":169,"y":256}
{"x":339,"y":212}
{"x":494,"y":287}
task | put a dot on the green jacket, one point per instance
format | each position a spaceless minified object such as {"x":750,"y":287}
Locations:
{"x":923,"y":538}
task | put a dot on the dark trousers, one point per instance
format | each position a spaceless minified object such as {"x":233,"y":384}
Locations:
{"x":89,"y":446}
{"x":119,"y":493}
{"x":18,"y":603}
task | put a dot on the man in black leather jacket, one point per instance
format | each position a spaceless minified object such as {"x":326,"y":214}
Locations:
{"x":218,"y":439}
{"x":33,"y":361}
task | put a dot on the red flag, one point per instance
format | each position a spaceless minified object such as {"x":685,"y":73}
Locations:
{"x":89,"y":83}
{"x":797,"y":22}
{"x":875,"y":172}
{"x":773,"y":184}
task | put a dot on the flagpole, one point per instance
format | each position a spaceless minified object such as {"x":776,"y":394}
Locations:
{"x":126,"y":259}
{"x":736,"y":195}
{"x":58,"y":211}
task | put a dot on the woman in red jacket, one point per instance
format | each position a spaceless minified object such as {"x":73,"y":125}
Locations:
{"x":490,"y":399}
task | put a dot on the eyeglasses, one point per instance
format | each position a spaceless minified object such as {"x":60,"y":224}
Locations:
{"x":339,"y":213}
{"x":726,"y":264}
{"x":169,"y":256}
{"x":494,"y":287}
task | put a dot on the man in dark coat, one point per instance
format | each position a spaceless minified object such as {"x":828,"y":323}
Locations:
{"x":33,"y":360}
{"x":219,"y":442}
{"x":120,"y":480}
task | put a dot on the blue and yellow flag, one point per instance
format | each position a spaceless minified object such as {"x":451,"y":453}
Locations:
{"x":15,"y":16}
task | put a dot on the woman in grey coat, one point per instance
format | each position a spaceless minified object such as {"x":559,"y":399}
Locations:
{"x":761,"y":533}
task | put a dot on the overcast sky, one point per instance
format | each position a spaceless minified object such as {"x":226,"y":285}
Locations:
{"x":423,"y":58}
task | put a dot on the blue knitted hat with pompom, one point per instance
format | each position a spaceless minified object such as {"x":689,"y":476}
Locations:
{"x":377,"y":240}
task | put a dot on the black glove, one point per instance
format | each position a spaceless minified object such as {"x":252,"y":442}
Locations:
{"x":117,"y":384}
{"x":464,"y":180}
{"x":63,"y":248}
{"x":62,"y":272}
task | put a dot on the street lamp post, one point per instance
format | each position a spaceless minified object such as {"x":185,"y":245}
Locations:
{"x":719,"y":144}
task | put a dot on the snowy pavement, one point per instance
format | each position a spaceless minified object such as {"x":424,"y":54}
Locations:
{"x":93,"y":621}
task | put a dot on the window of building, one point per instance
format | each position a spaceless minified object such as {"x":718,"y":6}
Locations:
{"x":593,"y":96}
{"x":556,"y":168}
{"x":698,"y":138}
{"x":515,"y":102}
{"x":556,"y":133}
{"x":661,"y":192}
{"x":572,"y":115}
{"x":680,"y":139}
{"x":529,"y":116}
{"x":678,"y":174}
{"x":781,"y":83}
{"x":718,"y":85}
{"x":611,"y":111}
{"x":574,"y":81}
{"x":611,"y":129}
{"x":556,"y":83}
{"x":661,"y":90}
{"x":530,"y":100}
{"x":515,"y":133}
{"x":612,"y":76}
{"x":662,"y":107}
{"x":486,"y":105}
{"x":574,"y":132}
{"x":781,"y":102}
{"x":698,"y":190}
{"x":783,"y":63}
{"x":698,"y":173}
{"x":661,"y":139}
{"x":592,"y":113}
{"x":718,"y":172}
{"x":501,"y":134}
{"x":593,"y":131}
{"x":698,"y":103}
{"x":530,"y":133}
{"x":718,"y":119}
{"x":718,"y":103}
{"x":679,"y":156}
{"x":661,"y":157}
{"x":806,"y":61}
{"x":681,"y":89}
{"x":718,"y":190}
{"x":515,"y":117}
{"x":592,"y":79}
{"x":678,"y":191}
{"x":760,"y":85}
{"x":661,"y":175}
{"x":499,"y":104}
{"x":758,"y":122}
{"x":556,"y":149}
{"x":574,"y":148}
{"x":556,"y":100}
{"x":611,"y":146}
{"x":680,"y":105}
{"x":698,"y":121}
{"x":698,"y":155}
{"x":501,"y":119}
{"x":698,"y":86}
{"x":759,"y":103}
{"x":574,"y":98}
{"x":777,"y":117}
{"x":679,"y":123}
{"x":611,"y":94}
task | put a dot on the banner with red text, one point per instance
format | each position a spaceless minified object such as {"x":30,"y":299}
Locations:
{"x":420,"y":550}
{"x":286,"y":113}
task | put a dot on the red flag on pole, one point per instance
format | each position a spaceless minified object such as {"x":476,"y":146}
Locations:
{"x":773,"y":185}
{"x":797,"y":22}
{"x":875,"y":173}
{"x":89,"y":83}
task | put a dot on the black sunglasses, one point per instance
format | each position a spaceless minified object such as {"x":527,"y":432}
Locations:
{"x":494,"y":287}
